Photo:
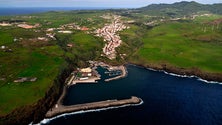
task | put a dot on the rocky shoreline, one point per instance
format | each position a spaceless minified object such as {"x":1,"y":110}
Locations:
{"x":31,"y":113}
{"x":216,"y":77}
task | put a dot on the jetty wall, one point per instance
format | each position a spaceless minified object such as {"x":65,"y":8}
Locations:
{"x":93,"y":105}
{"x":124,"y":73}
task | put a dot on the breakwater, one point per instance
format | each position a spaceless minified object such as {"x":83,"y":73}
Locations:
{"x":167,"y":100}
{"x":60,"y":109}
{"x":123,"y":74}
{"x":121,"y":68}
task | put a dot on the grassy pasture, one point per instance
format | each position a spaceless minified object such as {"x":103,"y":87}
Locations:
{"x":179,"y":44}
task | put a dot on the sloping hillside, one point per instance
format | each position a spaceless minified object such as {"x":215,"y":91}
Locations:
{"x":181,"y":8}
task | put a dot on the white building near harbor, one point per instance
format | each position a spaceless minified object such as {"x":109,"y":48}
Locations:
{"x":84,"y":78}
{"x":86,"y":70}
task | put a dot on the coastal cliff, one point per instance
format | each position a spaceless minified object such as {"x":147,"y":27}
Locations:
{"x":184,"y":71}
{"x":36,"y":112}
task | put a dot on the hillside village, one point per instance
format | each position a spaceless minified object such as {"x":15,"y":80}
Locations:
{"x":109,"y":33}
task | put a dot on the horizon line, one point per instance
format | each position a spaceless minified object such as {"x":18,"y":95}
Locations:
{"x":106,"y":7}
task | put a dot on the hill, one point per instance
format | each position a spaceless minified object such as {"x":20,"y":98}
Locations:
{"x":181,"y":8}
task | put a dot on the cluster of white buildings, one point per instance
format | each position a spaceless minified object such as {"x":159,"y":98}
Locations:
{"x":63,"y":29}
{"x":73,"y":26}
{"x":109,"y":33}
{"x":5,"y":24}
{"x":27,"y":26}
{"x":23,"y":25}
{"x":70,"y":26}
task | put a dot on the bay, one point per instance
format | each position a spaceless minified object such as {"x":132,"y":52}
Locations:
{"x":167,"y":100}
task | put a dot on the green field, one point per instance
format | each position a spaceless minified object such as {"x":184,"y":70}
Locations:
{"x":43,"y":60}
{"x":183,"y":44}
{"x":14,"y":95}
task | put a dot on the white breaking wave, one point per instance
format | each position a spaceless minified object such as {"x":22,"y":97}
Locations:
{"x":152,"y":69}
{"x":214,"y":82}
{"x":44,"y":121}
{"x":185,"y":76}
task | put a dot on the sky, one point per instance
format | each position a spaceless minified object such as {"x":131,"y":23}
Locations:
{"x":91,"y":3}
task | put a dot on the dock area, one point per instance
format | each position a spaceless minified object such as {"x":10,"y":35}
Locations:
{"x":90,"y":75}
{"x":123,"y":74}
{"x":90,"y":80}
{"x":121,"y":68}
{"x":60,"y":109}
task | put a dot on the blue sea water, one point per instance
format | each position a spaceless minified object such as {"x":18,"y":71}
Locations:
{"x":168,"y":100}
{"x":30,"y":10}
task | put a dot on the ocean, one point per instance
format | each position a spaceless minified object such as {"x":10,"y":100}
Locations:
{"x":167,"y":100}
{"x":10,"y":11}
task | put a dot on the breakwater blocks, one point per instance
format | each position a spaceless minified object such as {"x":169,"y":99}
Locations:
{"x":60,"y":109}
